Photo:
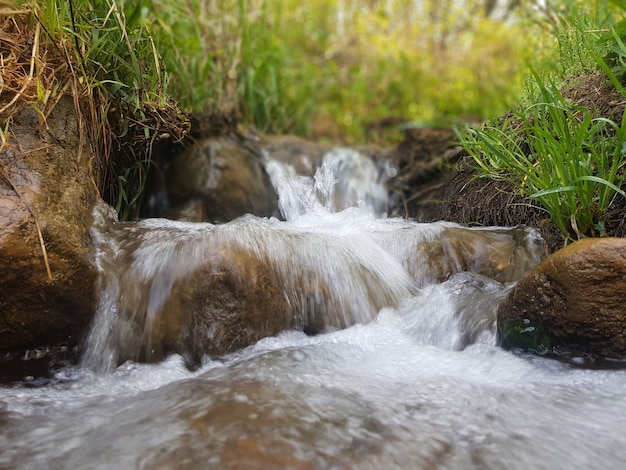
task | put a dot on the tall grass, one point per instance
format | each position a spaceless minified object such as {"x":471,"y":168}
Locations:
{"x":289,"y":66}
{"x":560,"y":155}
{"x":564,"y":156}
{"x":111,"y":44}
{"x":109,"y":51}
{"x":241,"y":57}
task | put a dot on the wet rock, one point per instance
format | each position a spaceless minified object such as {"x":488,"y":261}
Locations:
{"x":303,"y":155}
{"x":46,"y":178}
{"x":230,"y":303}
{"x":226,"y":176}
{"x":203,"y":289}
{"x":499,"y":253}
{"x":572,"y":304}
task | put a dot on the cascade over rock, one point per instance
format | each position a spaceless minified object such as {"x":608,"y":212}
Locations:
{"x":45,"y":177}
{"x":201,"y":289}
{"x":572,"y":304}
{"x":164,"y":292}
{"x":303,"y":155}
{"x":211,"y":289}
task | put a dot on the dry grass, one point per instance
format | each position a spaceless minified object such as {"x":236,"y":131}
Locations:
{"x":38,"y":67}
{"x":19,"y":58}
{"x":26,"y":78}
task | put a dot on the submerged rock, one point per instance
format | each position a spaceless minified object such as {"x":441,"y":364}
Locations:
{"x":499,"y":253}
{"x":201,"y":289}
{"x":47,"y":293}
{"x":572,"y":304}
{"x":227,"y":177}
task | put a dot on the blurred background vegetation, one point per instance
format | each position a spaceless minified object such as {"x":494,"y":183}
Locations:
{"x":337,"y":68}
{"x":334,"y":70}
{"x":326,"y":69}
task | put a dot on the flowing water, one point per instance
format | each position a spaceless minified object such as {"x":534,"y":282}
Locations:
{"x":407,"y":374}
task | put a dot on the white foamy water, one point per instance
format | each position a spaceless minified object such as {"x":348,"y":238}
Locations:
{"x":345,"y":179}
{"x":395,"y":393}
{"x":414,"y":378}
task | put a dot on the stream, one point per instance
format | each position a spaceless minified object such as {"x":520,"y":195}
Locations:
{"x":407,"y":373}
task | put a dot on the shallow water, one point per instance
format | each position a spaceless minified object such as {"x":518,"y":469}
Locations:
{"x":420,"y":384}
{"x":403,"y":391}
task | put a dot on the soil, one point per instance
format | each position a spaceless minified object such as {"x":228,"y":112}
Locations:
{"x":596,"y":93}
{"x":423,"y":161}
{"x":454,"y":191}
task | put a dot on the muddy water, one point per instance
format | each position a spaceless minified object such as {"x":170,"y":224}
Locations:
{"x":420,"y":384}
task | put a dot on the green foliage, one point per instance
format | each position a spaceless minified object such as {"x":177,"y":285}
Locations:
{"x":612,"y":59}
{"x":577,"y":46}
{"x":288,"y":66}
{"x":236,"y":56}
{"x":109,"y":48}
{"x":558,"y":154}
{"x":112,"y":46}
{"x":555,"y":152}
{"x":291,"y":66}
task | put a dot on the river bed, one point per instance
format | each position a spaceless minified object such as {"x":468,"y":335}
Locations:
{"x":389,"y":394}
{"x":422,"y":385}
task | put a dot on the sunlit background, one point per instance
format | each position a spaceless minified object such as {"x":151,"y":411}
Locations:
{"x":338,"y":68}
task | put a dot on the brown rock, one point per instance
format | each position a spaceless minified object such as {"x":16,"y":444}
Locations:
{"x":45,"y":177}
{"x":226,"y":176}
{"x":572,"y":304}
{"x":303,"y":155}
{"x":176,"y":289}
{"x":502,"y":254}
{"x":223,"y":307}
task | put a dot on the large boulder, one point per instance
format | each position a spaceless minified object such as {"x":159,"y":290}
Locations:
{"x":572,"y":304}
{"x":202,"y":289}
{"x":47,"y":193}
{"x":226,"y":175}
{"x":215,"y":308}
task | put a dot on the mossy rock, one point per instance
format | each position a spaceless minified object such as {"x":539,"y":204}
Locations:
{"x":572,"y":304}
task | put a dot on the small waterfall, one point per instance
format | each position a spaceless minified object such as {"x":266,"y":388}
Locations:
{"x":346,"y":178}
{"x":327,"y":279}
{"x":197,"y":288}
{"x":465,"y":306}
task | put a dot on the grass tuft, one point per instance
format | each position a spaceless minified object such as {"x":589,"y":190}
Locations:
{"x":559,"y":154}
